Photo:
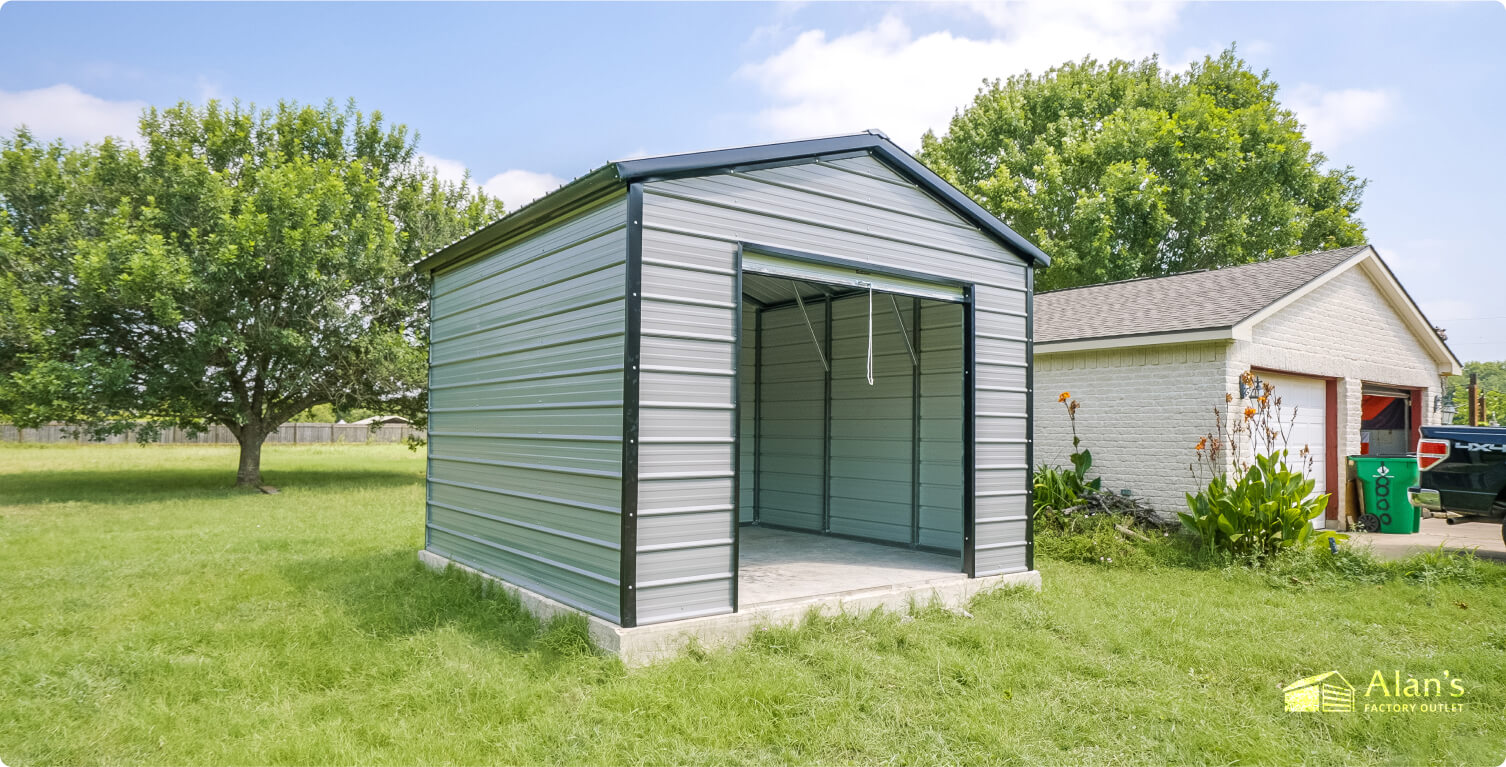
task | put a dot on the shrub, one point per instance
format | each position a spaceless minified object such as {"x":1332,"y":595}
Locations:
{"x":1259,"y":500}
{"x":1268,"y":507}
{"x":1059,"y":489}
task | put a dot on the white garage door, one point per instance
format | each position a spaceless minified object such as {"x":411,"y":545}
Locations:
{"x":1309,"y":397}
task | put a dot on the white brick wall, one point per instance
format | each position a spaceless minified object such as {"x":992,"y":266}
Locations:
{"x":1143,"y":408}
{"x":1345,"y":329}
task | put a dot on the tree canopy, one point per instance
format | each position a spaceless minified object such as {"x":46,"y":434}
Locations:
{"x":235,"y":266}
{"x":1126,"y":169}
{"x":1492,"y":377}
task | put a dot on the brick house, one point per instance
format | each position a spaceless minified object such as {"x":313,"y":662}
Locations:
{"x":1334,"y":332}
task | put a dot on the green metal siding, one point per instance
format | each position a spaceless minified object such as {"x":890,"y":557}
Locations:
{"x":792,"y":433}
{"x":871,"y":426}
{"x":526,"y":377}
{"x":941,"y":425}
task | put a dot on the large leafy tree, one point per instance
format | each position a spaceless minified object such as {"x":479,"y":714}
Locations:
{"x":235,"y":266}
{"x":1126,"y":169}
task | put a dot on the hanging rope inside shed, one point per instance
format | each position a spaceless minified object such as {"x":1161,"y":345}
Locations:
{"x":810,"y":327}
{"x":870,"y":335}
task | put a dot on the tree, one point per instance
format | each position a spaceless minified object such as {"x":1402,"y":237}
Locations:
{"x":1125,"y":170}
{"x":236,"y":267}
{"x":1492,"y":385}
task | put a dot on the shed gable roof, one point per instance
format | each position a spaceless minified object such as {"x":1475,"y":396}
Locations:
{"x":613,"y":176}
{"x":1212,"y":304}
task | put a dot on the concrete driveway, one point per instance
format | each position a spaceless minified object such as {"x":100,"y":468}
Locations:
{"x":1484,"y":537}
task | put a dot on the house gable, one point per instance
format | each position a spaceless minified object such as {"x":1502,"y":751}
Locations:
{"x":1347,"y":325}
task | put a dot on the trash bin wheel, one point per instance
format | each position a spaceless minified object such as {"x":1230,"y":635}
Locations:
{"x":1370,"y":523}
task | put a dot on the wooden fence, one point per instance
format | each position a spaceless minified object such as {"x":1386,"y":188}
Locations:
{"x":287,"y":434}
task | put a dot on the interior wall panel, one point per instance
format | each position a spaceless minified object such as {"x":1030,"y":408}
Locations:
{"x":792,"y":432}
{"x":871,"y":426}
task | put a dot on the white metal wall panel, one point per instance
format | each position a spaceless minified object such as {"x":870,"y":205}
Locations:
{"x":805,"y":208}
{"x":867,"y":181}
{"x":686,"y":508}
{"x":872,"y":450}
{"x":525,"y":440}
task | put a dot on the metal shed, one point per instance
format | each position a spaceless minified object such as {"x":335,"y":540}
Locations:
{"x":640,"y":376}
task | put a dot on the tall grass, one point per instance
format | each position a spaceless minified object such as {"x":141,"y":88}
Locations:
{"x":151,"y":614}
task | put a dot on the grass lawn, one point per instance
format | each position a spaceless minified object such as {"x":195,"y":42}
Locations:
{"x":149,"y":614}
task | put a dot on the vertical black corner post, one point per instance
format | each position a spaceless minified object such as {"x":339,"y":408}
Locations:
{"x":970,"y":433}
{"x":1029,"y":417}
{"x":737,"y":414}
{"x":915,"y":370}
{"x":631,"y":347}
{"x":831,"y":364}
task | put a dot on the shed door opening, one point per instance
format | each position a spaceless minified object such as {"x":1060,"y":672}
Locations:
{"x":824,"y":451}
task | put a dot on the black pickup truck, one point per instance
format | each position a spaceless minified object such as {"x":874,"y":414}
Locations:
{"x":1463,"y":472}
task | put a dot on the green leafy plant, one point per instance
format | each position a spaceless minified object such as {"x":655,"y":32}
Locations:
{"x":1259,"y":499}
{"x":1057,"y":488}
{"x":1264,"y":509}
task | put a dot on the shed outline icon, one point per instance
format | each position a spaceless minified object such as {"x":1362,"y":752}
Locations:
{"x":1328,"y":693}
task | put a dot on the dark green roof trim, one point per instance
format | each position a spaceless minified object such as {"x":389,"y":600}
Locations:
{"x":618,"y":174}
{"x":595,"y":185}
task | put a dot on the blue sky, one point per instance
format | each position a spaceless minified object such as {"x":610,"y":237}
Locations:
{"x":528,"y":94}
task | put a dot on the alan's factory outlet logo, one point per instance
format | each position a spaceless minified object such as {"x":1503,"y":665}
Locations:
{"x":1331,"y":693}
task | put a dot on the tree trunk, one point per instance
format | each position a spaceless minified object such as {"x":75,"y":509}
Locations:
{"x":249,"y":473}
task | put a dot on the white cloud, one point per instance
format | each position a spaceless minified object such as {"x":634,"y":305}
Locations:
{"x":448,"y":170}
{"x":65,"y":112}
{"x":518,"y":187}
{"x":1333,"y":117}
{"x":889,"y":78}
{"x":514,"y":188}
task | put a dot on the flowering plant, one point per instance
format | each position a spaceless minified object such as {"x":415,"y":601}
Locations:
{"x":1258,"y":499}
{"x":1057,"y":488}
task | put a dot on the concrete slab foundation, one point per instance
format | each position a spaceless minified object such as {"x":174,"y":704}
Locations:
{"x":782,"y":577}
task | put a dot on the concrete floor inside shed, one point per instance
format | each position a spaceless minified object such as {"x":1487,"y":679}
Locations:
{"x":776,"y":566}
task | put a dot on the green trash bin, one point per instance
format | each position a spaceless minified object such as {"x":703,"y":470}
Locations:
{"x":1385,"y":480}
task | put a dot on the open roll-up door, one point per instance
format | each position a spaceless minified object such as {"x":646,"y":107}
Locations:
{"x":849,"y":276}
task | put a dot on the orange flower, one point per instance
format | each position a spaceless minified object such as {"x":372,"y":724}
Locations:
{"x":1066,"y":395}
{"x":1201,"y":444}
{"x":1249,"y":412}
{"x":1262,"y":400}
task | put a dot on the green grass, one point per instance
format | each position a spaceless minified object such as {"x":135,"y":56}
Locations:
{"x":150,"y":614}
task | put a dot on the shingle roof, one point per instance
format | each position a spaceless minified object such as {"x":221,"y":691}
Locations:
{"x":1211,"y":298}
